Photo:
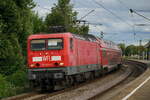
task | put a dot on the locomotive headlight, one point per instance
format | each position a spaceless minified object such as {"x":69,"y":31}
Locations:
{"x":61,"y":64}
{"x":32,"y":65}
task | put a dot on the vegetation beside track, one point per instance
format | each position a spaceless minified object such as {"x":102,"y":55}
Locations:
{"x":132,"y":51}
{"x":17,"y":22}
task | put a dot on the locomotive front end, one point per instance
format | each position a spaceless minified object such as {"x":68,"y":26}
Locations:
{"x":46,"y":59}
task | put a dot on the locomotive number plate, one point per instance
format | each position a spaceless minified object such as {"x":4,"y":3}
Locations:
{"x":35,"y":59}
{"x":55,"y":58}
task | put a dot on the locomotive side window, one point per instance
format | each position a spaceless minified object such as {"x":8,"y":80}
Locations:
{"x":104,"y":53}
{"x":37,"y":44}
{"x":55,"y":44}
{"x":71,"y":43}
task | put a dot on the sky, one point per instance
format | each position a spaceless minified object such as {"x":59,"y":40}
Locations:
{"x":118,"y":24}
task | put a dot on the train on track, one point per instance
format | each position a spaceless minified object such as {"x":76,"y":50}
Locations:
{"x":66,"y":58}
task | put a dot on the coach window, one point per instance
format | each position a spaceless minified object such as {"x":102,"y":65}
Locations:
{"x":71,"y":43}
{"x":54,"y":44}
{"x":37,"y":44}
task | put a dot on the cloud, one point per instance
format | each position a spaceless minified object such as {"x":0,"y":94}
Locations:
{"x":117,"y":29}
{"x":43,"y":7}
{"x":42,"y":11}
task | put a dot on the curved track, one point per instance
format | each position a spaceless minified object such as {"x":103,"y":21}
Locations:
{"x":138,"y":68}
{"x":91,"y":89}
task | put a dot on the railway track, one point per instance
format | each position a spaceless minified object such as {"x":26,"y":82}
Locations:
{"x":137,"y":68}
{"x":89,"y":90}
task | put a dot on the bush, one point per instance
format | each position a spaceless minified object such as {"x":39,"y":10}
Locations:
{"x":13,"y":84}
{"x":10,"y":55}
{"x":18,"y":79}
{"x":6,"y":89}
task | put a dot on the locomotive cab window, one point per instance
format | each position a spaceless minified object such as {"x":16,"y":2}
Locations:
{"x":54,"y":44}
{"x":38,"y":44}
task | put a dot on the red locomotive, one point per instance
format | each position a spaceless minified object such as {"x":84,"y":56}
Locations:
{"x":64,"y":58}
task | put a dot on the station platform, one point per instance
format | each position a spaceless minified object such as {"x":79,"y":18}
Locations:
{"x":138,"y":89}
{"x":142,"y":89}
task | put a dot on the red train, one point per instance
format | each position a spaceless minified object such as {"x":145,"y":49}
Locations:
{"x":64,"y":58}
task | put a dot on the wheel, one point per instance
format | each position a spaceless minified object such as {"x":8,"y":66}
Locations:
{"x":92,"y":76}
{"x":69,"y":81}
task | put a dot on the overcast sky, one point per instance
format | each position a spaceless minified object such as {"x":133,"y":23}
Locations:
{"x":119,"y":26}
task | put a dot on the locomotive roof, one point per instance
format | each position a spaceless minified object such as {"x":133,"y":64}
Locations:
{"x":45,"y":35}
{"x":87,"y":37}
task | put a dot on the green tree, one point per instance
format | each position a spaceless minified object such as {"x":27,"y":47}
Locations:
{"x":130,"y":50}
{"x":6,"y":89}
{"x":38,"y":23}
{"x":62,"y":14}
{"x":122,"y":46}
{"x":16,"y":16}
{"x":17,"y":21}
{"x":15,"y":26}
{"x":11,"y":58}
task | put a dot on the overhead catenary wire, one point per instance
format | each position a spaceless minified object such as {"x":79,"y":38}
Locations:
{"x":133,"y":27}
{"x":112,"y":13}
{"x":133,"y":11}
{"x":134,"y":24}
{"x":122,"y":3}
{"x":141,"y":10}
{"x":142,"y":24}
{"x":86,"y":14}
{"x":94,"y":24}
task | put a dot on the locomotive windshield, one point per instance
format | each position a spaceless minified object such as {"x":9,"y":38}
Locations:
{"x":46,"y":44}
{"x":55,"y":44}
{"x":38,"y":45}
